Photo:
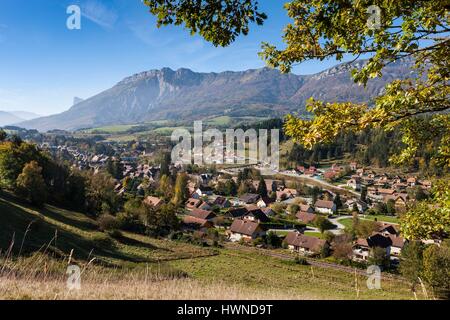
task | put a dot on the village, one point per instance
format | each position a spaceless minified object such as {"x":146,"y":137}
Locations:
{"x":307,"y":211}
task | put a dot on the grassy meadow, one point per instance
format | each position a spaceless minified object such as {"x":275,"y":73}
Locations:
{"x":38,"y":245}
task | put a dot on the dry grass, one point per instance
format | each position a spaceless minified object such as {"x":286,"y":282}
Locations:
{"x":175,"y":289}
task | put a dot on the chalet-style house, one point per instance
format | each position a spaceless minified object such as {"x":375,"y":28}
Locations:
{"x":325,"y":206}
{"x":203,"y":214}
{"x":255,"y":214}
{"x":245,"y":229}
{"x":400,"y":201}
{"x":222,"y":202}
{"x":305,"y":217}
{"x":153,"y":202}
{"x":361,"y":205}
{"x":362,"y":247}
{"x":306,"y":245}
{"x":235,"y":213}
{"x":248,"y":198}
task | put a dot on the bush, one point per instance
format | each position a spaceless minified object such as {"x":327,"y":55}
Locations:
{"x":301,"y":261}
{"x":107,"y":222}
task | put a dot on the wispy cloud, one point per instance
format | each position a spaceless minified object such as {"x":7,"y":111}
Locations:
{"x":148,"y":34}
{"x":99,"y":13}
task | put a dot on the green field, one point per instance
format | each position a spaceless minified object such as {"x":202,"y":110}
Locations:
{"x":314,"y":234}
{"x":261,"y":272}
{"x":347,"y":222}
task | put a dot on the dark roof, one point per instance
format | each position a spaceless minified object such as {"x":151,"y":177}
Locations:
{"x":258,"y":214}
{"x":300,"y":240}
{"x":376,"y":240}
{"x":249,"y":198}
{"x":245,"y":227}
{"x":202,"y":214}
{"x":237,"y":212}
{"x":220,"y":201}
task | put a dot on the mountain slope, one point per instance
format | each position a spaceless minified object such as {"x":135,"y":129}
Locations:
{"x":187,"y":95}
{"x":7,"y":118}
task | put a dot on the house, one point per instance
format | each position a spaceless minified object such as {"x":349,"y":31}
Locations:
{"x":264,"y":202}
{"x":193,"y":203}
{"x":305,"y":217}
{"x":354,"y":183}
{"x":204,"y":191}
{"x":306,"y":245}
{"x":153,"y":202}
{"x":285,"y":194}
{"x":400,"y":201}
{"x":268,"y":212}
{"x":362,"y":247}
{"x":222,"y":202}
{"x":192,"y":223}
{"x":234,"y":213}
{"x":361,"y":205}
{"x":261,"y":203}
{"x":397,"y":245}
{"x":325,"y":206}
{"x":255,"y":214}
{"x":249,"y":198}
{"x":411,"y":181}
{"x":306,"y":208}
{"x":203,"y":214}
{"x":246,"y":230}
{"x":330,"y":175}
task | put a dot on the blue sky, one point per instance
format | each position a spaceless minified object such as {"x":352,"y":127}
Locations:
{"x":43,"y":65}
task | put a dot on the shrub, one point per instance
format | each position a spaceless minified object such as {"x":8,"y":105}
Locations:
{"x":301,"y":261}
{"x":107,"y":222}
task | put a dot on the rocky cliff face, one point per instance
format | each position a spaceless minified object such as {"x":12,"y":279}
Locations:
{"x":184,"y":94}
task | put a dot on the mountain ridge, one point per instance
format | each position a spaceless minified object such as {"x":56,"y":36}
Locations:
{"x":184,"y":94}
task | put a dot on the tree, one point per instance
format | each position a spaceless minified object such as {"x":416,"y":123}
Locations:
{"x":31,"y":184}
{"x":390,"y":207}
{"x":411,"y":262}
{"x":181,"y":192}
{"x":3,"y":135}
{"x":378,"y":256}
{"x":436,"y":269}
{"x":338,"y":201}
{"x":100,"y":193}
{"x":363,"y":194}
{"x":323,"y":224}
{"x":327,"y":29}
{"x":262,"y":187}
{"x":165,"y":188}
